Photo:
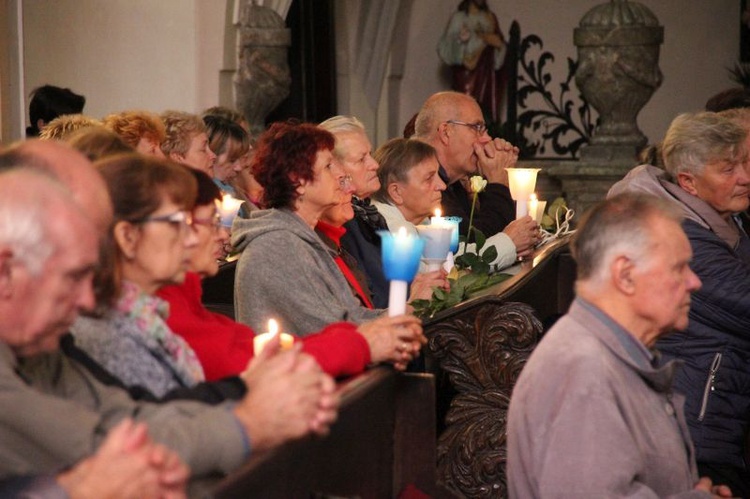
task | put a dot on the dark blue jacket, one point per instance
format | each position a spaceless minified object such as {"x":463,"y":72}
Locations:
{"x":363,"y":243}
{"x":716,"y":348}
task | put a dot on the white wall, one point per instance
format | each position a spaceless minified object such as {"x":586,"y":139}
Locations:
{"x":159,"y":54}
{"x":125,"y":54}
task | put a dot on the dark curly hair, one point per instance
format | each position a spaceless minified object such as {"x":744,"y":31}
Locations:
{"x":285,"y":155}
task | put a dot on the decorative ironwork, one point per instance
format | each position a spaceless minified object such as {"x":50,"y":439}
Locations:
{"x":564,"y":123}
{"x":483,"y":351}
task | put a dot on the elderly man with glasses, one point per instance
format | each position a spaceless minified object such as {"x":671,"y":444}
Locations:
{"x":452,"y":123}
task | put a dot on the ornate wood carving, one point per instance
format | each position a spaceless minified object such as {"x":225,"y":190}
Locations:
{"x":483,"y":350}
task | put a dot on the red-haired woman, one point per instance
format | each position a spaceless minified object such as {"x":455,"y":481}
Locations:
{"x":224,"y":346}
{"x":285,"y":272}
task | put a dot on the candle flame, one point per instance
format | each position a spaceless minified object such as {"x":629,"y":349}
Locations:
{"x":438,"y":213}
{"x":401,"y":232}
{"x":273,"y":326}
{"x":533,"y":197}
{"x":229,"y":202}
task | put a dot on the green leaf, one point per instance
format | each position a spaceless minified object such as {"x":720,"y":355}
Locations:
{"x":480,"y":267}
{"x":461,"y":262}
{"x":489,"y":255}
{"x":480,"y":239}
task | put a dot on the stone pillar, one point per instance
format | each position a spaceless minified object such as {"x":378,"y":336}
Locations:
{"x":618,"y":72}
{"x":262,"y":81}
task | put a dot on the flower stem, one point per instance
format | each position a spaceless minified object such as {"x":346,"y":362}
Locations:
{"x":471,"y":217}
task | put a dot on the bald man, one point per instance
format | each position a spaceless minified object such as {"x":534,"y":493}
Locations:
{"x":453,"y":124}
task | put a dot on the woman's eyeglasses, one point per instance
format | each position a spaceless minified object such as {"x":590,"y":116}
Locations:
{"x":214,"y":221}
{"x":179,"y":219}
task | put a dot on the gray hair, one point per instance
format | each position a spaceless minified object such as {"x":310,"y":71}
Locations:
{"x":695,"y":139}
{"x":397,"y":158}
{"x":342,"y":124}
{"x":25,"y":214}
{"x":619,"y":225}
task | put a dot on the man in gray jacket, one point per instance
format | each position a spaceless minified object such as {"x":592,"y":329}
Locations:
{"x":54,"y":411}
{"x":593,"y":413}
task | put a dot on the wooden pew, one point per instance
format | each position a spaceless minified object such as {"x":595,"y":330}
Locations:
{"x":383,"y":441}
{"x":477,"y":350}
{"x":385,"y":437}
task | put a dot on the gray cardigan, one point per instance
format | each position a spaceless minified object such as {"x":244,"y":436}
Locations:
{"x":588,"y":418}
{"x":285,"y":272}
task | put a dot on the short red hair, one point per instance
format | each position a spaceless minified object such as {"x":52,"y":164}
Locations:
{"x":285,"y":155}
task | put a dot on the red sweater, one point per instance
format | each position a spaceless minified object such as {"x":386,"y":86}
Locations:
{"x":224,"y":346}
{"x":334,"y":234}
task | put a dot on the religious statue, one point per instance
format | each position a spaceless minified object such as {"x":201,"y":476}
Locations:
{"x":474,"y":47}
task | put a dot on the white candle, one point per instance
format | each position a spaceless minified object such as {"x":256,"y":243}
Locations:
{"x":260,"y":340}
{"x":540,"y":211}
{"x":533,"y":205}
{"x":397,"y":298}
{"x":228,"y":209}
{"x":437,"y":219}
{"x":521,"y":182}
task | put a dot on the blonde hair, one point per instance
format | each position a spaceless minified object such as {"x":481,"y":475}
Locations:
{"x":63,"y":126}
{"x":180,"y":128}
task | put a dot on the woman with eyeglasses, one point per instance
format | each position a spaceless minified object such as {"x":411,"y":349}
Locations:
{"x":150,"y":242}
{"x":285,"y":272}
{"x":224,"y":346}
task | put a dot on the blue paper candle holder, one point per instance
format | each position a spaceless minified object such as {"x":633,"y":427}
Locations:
{"x":456,"y":223}
{"x":401,"y":254}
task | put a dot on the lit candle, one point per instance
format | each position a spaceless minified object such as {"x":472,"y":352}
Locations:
{"x":228,"y":209}
{"x":437,"y":219}
{"x":533,"y":205}
{"x":540,"y":211}
{"x":400,"y":253}
{"x":437,"y":244}
{"x":260,"y":340}
{"x":521,"y":182}
{"x":454,"y":222}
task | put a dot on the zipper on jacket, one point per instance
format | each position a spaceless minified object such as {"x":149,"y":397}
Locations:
{"x":709,"y":385}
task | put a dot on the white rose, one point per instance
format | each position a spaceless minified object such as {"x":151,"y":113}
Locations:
{"x":477,"y":183}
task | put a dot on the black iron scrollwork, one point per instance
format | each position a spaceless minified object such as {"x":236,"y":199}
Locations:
{"x":561,"y":123}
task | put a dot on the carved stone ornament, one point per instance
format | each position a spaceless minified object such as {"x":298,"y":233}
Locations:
{"x":263,"y":79}
{"x":483,"y":351}
{"x":618,"y":72}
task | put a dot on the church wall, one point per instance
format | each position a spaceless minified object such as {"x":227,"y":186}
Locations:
{"x":168,"y":53}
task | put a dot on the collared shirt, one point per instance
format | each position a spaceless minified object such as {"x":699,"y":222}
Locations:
{"x":637,"y":351}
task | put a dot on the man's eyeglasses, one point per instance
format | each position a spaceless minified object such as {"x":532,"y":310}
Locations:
{"x":214,"y":221}
{"x":478,"y":127}
{"x":179,"y":219}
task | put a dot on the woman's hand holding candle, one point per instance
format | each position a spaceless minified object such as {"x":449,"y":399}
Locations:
{"x":393,"y":339}
{"x":261,"y":340}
